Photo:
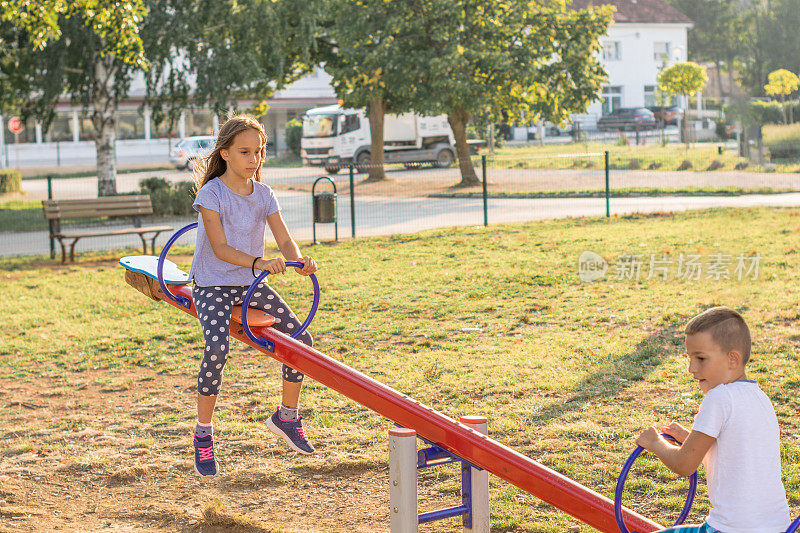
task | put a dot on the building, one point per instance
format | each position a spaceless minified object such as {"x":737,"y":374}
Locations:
{"x":645,"y":37}
{"x":134,"y":122}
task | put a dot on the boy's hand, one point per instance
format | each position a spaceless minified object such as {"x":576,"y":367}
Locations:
{"x":676,"y":431}
{"x":309,"y":266}
{"x":274,"y":266}
{"x":649,"y":438}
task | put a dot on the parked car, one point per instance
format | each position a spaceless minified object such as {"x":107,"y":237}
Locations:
{"x":627,"y":118}
{"x":187,"y":150}
{"x":668,"y":114}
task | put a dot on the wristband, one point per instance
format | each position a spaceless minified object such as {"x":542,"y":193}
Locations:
{"x":253,"y":267}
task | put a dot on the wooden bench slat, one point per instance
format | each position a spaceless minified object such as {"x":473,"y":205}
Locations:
{"x":92,"y":213}
{"x":121,"y":231}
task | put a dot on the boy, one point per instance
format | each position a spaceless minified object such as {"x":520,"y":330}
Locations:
{"x":735,"y":433}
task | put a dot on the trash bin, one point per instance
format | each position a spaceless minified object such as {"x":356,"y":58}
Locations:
{"x":324,"y":208}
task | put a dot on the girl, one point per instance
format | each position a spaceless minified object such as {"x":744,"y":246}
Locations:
{"x":235,"y":209}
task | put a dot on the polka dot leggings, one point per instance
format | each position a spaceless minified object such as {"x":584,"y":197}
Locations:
{"x":214,"y":305}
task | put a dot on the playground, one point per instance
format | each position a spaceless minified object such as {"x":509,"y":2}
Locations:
{"x":97,"y":381}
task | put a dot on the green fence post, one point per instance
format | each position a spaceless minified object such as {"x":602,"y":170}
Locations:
{"x":50,"y":222}
{"x":485,"y":194}
{"x":352,"y":204}
{"x":608,"y":208}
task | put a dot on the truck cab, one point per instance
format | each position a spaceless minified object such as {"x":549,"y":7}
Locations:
{"x":335,"y":137}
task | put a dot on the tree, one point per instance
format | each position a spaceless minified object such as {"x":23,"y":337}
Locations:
{"x":212,"y":53}
{"x":717,"y":34}
{"x":468,"y":57}
{"x":362,"y":52}
{"x":200,"y":52}
{"x":682,"y":79}
{"x":782,"y":83}
{"x":88,"y":51}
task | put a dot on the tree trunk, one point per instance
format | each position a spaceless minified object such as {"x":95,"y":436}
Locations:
{"x":458,"y":119}
{"x":718,"y":64}
{"x":104,"y":119}
{"x":376,"y":112}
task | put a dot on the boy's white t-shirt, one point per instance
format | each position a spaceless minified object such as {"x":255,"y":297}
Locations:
{"x":743,"y":467}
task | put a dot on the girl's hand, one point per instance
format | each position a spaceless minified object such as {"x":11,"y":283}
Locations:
{"x":309,"y":266}
{"x":273,"y":266}
{"x":676,"y":431}
{"x":648,"y":438}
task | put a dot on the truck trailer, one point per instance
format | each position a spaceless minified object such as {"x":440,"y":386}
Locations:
{"x":334,"y":138}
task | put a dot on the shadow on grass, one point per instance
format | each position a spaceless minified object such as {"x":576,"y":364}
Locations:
{"x":613,"y":375}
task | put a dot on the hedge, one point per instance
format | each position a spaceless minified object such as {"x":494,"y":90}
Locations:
{"x":10,"y":181}
{"x":169,"y":199}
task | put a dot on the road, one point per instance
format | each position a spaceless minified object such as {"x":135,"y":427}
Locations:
{"x":382,"y":215}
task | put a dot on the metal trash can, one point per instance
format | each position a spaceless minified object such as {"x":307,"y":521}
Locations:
{"x":324,"y":208}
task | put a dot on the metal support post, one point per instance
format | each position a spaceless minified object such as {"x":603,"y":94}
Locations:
{"x":403,"y":480}
{"x":485,"y":193}
{"x":479,"y":484}
{"x":352,"y":204}
{"x":51,"y":222}
{"x":608,"y":192}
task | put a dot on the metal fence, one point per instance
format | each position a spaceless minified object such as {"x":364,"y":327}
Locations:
{"x":421,"y":196}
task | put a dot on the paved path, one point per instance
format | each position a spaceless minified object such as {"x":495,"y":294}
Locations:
{"x":391,"y":215}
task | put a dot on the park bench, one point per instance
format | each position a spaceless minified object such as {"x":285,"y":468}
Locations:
{"x":106,"y":206}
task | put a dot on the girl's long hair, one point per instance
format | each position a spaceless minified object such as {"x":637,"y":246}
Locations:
{"x":213,"y":166}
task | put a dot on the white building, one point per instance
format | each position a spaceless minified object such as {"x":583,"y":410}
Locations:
{"x":646,"y":36}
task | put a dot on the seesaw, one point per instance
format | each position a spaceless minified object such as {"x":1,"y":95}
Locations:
{"x":450,"y":440}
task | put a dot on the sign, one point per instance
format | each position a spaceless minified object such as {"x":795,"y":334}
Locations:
{"x":15,"y":125}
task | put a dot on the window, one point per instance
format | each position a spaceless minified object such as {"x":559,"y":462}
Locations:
{"x":661,"y":51}
{"x":349,"y":123}
{"x":612,"y":51}
{"x":649,"y":95}
{"x":612,"y":98}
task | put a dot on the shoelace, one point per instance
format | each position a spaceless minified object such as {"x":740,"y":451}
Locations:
{"x":301,"y":432}
{"x":206,"y":454}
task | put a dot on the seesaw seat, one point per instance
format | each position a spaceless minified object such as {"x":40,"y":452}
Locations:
{"x":140,"y":267}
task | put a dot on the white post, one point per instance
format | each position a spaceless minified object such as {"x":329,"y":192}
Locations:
{"x":481,"y":521}
{"x":146,"y":112}
{"x":182,"y":126}
{"x":76,"y":133}
{"x":214,"y":123}
{"x":403,"y":480}
{"x":37,"y":129}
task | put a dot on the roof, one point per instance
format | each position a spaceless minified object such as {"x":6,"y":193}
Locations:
{"x":639,"y":11}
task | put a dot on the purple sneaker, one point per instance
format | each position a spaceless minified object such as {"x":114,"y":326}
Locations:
{"x":204,"y":462}
{"x":291,"y":431}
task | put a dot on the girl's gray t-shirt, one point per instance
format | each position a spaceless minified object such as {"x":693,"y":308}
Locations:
{"x":244,"y":221}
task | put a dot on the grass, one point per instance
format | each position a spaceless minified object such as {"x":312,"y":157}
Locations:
{"x":22,"y":215}
{"x":652,"y":157}
{"x":782,"y":140}
{"x":567,"y":372}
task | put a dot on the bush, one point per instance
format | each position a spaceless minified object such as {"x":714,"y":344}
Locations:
{"x":10,"y":181}
{"x":169,"y":199}
{"x":294,"y":133}
{"x":782,"y":141}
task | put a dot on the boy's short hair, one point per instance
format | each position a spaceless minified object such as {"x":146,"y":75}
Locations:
{"x":727,"y":328}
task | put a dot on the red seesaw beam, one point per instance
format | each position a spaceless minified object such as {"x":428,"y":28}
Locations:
{"x":546,"y":484}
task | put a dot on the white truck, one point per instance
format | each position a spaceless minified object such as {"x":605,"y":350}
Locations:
{"x":334,"y":137}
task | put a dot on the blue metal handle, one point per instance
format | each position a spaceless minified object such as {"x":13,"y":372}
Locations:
{"x":261,"y":341}
{"x":687,"y":506}
{"x":794,"y":525}
{"x":180,"y":299}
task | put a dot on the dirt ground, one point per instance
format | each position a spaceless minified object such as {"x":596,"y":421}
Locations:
{"x":106,"y":478}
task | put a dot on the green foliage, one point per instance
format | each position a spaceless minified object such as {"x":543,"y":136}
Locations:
{"x":10,"y":181}
{"x":294,"y":134}
{"x":686,"y":78}
{"x":168,"y":199}
{"x":783,"y":141}
{"x":781,"y":83}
